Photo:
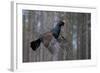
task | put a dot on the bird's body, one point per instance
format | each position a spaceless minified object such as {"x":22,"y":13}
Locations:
{"x":46,"y":37}
{"x":56,"y":31}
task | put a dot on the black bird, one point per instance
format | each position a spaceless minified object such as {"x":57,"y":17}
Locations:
{"x":46,"y":37}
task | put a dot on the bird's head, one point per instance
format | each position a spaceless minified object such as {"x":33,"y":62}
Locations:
{"x":60,"y":23}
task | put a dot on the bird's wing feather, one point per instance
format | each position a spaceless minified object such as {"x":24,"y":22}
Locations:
{"x":47,"y":38}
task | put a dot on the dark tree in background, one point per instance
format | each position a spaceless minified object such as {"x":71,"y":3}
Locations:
{"x":77,"y":32}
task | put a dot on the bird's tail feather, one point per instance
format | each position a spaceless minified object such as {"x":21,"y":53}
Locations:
{"x":35,"y":44}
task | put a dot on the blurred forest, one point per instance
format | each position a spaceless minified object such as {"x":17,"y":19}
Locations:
{"x":77,"y":32}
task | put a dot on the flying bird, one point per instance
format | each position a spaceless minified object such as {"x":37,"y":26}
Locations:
{"x":47,"y":37}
